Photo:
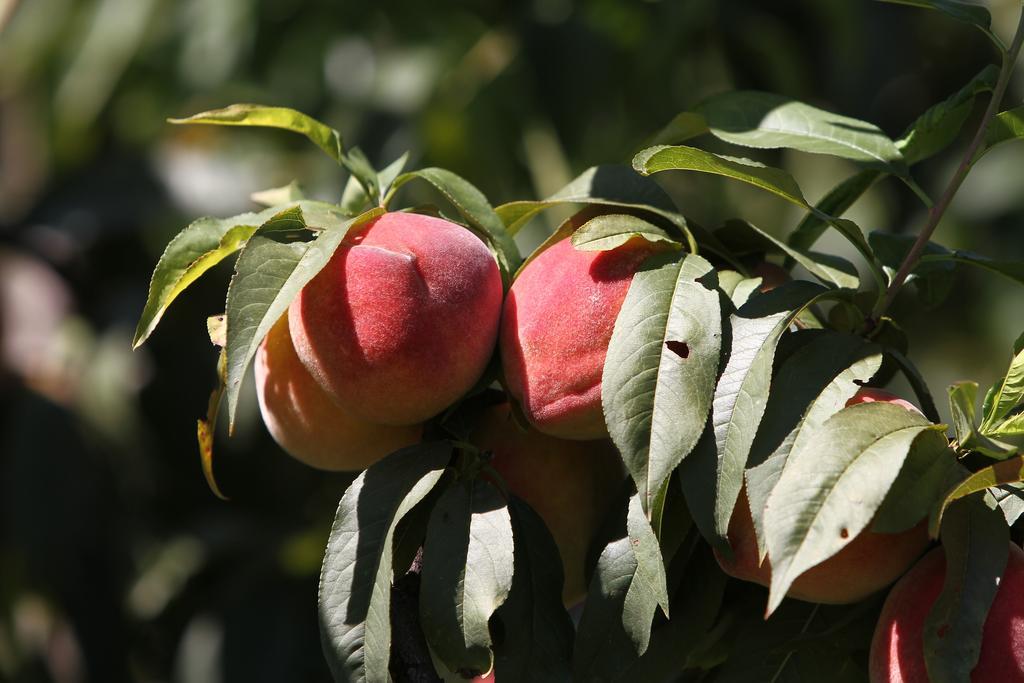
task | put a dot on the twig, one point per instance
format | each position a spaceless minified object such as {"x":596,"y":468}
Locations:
{"x":936,"y":212}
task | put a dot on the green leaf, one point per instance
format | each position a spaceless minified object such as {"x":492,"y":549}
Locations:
{"x":1008,"y":393}
{"x":624,"y":595}
{"x":832,"y":270}
{"x":838,"y":200}
{"x":268,"y":275}
{"x":538,"y":634}
{"x":938,"y":126}
{"x":616,"y":186}
{"x":774,"y":180}
{"x":196,"y":249}
{"x":1006,"y":126}
{"x":770,"y":121}
{"x":277,"y":196}
{"x":1010,"y":498}
{"x":660,"y":370}
{"x":474,"y":208}
{"x":206,"y":429}
{"x":855,"y":455}
{"x":682,"y":127}
{"x":976,"y":543}
{"x":1013,"y":270}
{"x":967,"y":12}
{"x":927,"y":473}
{"x":916,"y":381}
{"x":323,"y":136}
{"x":1008,"y":471}
{"x":737,"y":287}
{"x":810,"y":386}
{"x":610,"y":231}
{"x":742,"y":391}
{"x":466,"y":575}
{"x":962,"y":398}
{"x":355,"y":581}
{"x":933,"y":280}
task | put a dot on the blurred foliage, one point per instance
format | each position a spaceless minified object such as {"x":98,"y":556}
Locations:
{"x":116,"y":563}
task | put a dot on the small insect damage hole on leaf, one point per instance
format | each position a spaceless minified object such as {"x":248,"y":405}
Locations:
{"x":844,"y":533}
{"x":680,"y":348}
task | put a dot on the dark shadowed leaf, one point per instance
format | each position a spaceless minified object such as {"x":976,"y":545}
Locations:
{"x":855,"y":455}
{"x":474,"y":208}
{"x":660,"y":370}
{"x":610,"y":231}
{"x":537,"y":631}
{"x":976,"y":542}
{"x":835,"y":203}
{"x":939,"y":125}
{"x":832,"y":270}
{"x":1008,"y":471}
{"x":928,"y":472}
{"x":268,"y":275}
{"x":770,"y":121}
{"x":355,"y":581}
{"x":467,"y":573}
{"x":625,"y":592}
{"x":206,"y":428}
{"x":933,"y":280}
{"x":967,"y":12}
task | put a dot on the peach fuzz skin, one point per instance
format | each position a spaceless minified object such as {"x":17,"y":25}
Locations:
{"x":897,"y":649}
{"x":307,"y":423}
{"x":867,"y":564}
{"x":555,"y":329}
{"x":567,"y":483}
{"x":402,"y":320}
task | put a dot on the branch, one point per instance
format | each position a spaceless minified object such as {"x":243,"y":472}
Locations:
{"x":936,"y":212}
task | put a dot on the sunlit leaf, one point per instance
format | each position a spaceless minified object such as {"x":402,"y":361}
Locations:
{"x":610,"y":231}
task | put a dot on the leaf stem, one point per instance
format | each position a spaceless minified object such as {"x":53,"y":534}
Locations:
{"x":936,"y":212}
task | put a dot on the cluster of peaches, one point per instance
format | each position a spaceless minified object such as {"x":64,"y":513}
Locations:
{"x":403,"y":322}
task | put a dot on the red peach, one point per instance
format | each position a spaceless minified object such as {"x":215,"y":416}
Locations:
{"x":555,"y":330}
{"x":897,"y":648}
{"x":403,"y":319}
{"x":306,"y":422}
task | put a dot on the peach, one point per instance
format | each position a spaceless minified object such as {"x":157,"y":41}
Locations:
{"x":555,"y":329}
{"x":868,"y":563}
{"x":568,"y":483}
{"x":897,"y":648}
{"x":402,"y":320}
{"x":306,"y":422}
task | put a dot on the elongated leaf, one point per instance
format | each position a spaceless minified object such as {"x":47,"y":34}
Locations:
{"x":196,"y":249}
{"x":1008,"y":471}
{"x":323,"y":136}
{"x":774,"y":180}
{"x":928,"y":471}
{"x":1006,"y":126}
{"x":838,"y":200}
{"x":742,"y":391}
{"x":832,"y":270}
{"x":770,"y":121}
{"x":538,"y":634}
{"x":355,"y":581}
{"x":938,"y":126}
{"x":682,"y":127}
{"x":355,"y":200}
{"x":933,"y":280}
{"x":1008,"y":393}
{"x":1010,"y":498}
{"x":206,"y":428}
{"x":976,"y":544}
{"x":812,"y":385}
{"x":277,"y":196}
{"x":609,"y":185}
{"x":610,"y":231}
{"x":466,"y":575}
{"x":474,"y":208}
{"x":660,"y":370}
{"x":268,"y":275}
{"x":624,"y":595}
{"x":967,"y":12}
{"x":833,"y":486}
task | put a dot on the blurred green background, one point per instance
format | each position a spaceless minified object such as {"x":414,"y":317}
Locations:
{"x":116,"y":562}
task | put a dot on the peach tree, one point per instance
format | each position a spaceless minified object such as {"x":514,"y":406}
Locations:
{"x":651,"y":450}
